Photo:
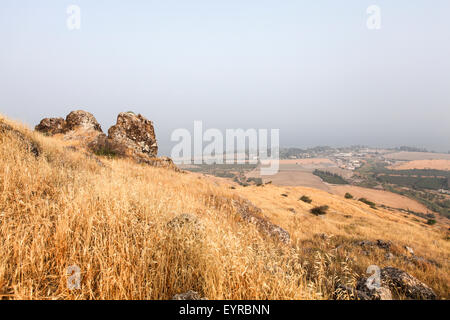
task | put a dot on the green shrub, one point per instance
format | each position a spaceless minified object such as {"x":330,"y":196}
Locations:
{"x":319,"y":210}
{"x":330,"y":177}
{"x":370,"y":203}
{"x":105,"y":152}
{"x":348,"y":196}
{"x":416,"y":182}
{"x":306,"y":199}
{"x":431,"y":222}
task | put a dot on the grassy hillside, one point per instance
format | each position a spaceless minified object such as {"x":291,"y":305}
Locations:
{"x":61,"y":206}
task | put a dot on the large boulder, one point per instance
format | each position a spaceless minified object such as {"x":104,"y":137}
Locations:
{"x":366,"y":291}
{"x":51,"y":126}
{"x":82,"y":120}
{"x":396,"y":281}
{"x":135,"y":133}
{"x":402,"y":282}
{"x":82,"y":128}
{"x":75,"y":120}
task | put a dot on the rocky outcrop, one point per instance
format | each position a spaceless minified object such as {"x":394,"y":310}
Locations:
{"x":392,"y":280}
{"x":51,"y":126}
{"x":133,"y":136}
{"x":405,"y":284}
{"x":250,"y":213}
{"x":386,"y":245}
{"x":392,"y":248}
{"x":82,"y":120}
{"x":366,"y":291}
{"x":75,"y":120}
{"x":135,"y":133}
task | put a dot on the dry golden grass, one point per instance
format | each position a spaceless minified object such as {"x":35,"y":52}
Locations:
{"x":350,"y":221}
{"x":65,"y":208}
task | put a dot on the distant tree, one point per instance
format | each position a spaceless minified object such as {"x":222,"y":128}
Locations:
{"x":330,"y":177}
{"x":370,"y":203}
{"x":348,"y":196}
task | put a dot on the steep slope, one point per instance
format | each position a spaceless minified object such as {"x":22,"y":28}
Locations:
{"x":141,"y":232}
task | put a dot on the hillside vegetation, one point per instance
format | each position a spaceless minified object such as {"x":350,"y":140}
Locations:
{"x":120,"y":223}
{"x":329,"y":177}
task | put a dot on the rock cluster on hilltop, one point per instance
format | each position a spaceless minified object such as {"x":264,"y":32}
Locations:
{"x":132,"y":136}
{"x":51,"y":126}
{"x":74,"y":120}
{"x":82,"y":120}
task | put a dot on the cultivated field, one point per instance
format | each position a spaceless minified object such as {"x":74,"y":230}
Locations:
{"x":297,"y":178}
{"x":298,"y":172}
{"x":423,"y":164}
{"x":310,"y":161}
{"x":409,"y":156}
{"x":291,"y":174}
{"x":381,"y":197}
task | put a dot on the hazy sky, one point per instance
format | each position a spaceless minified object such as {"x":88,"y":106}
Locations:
{"x":310,"y":68}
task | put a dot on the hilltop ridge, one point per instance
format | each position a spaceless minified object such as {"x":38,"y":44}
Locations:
{"x":133,"y":136}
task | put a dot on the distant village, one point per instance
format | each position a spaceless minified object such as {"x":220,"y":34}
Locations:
{"x":345,"y":158}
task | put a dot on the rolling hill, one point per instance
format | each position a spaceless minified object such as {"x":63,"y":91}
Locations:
{"x":142,"y":232}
